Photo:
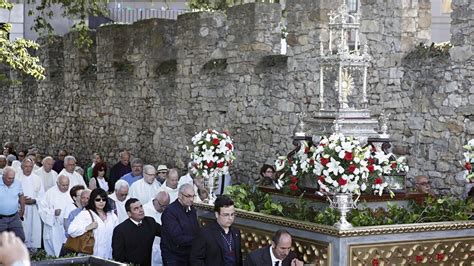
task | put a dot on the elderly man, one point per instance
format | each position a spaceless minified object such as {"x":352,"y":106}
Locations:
{"x":46,"y":172}
{"x":3,"y":163}
{"x":206,"y":250}
{"x":11,"y":193}
{"x":162,"y":173}
{"x":119,"y":169}
{"x":147,"y":187}
{"x":177,"y":237}
{"x":279,"y":253}
{"x":136,"y":173}
{"x":51,"y":209}
{"x":188,"y":177}
{"x":423,"y":185}
{"x":154,"y":209}
{"x":69,"y":170}
{"x":171,"y":184}
{"x":120,"y":196}
{"x":33,"y":191}
{"x":133,"y":239}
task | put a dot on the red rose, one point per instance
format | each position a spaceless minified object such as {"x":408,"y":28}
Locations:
{"x":348,"y":156}
{"x":468,"y":166}
{"x":419,"y":259}
{"x":371,"y":161}
{"x":439,"y":256}
{"x":293,"y":187}
{"x":393,"y":165}
{"x":371,"y":168}
{"x":375,"y":262}
{"x":311,"y":162}
{"x":210,"y":164}
{"x":306,"y":149}
{"x":220,"y":164}
{"x":341,"y":181}
{"x":294,"y":179}
{"x":229,"y":146}
{"x":351,"y":168}
{"x":321,"y":178}
{"x":378,"y":181}
{"x":215,"y":141}
{"x":324,"y":161}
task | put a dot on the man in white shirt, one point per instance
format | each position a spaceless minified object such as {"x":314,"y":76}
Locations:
{"x":47,"y":174}
{"x":171,"y":184}
{"x":120,"y":196}
{"x":154,"y":208}
{"x":52,"y":209}
{"x":146,"y":188}
{"x":188,"y":177}
{"x":74,"y":177}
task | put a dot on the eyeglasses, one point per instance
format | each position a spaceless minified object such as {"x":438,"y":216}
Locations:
{"x":153,"y":174}
{"x":101,"y":170}
{"x":188,"y":196}
{"x":162,"y":173}
{"x":100,"y":199}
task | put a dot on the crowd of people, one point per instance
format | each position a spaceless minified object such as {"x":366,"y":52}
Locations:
{"x":138,"y":213}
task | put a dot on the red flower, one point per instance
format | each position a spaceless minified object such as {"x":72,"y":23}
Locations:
{"x":294,"y":179}
{"x":322,"y":144}
{"x":321,"y":178}
{"x":371,"y":168}
{"x":209,"y":131}
{"x":439,"y":256}
{"x":348,"y":156}
{"x":324,"y":161}
{"x":351,"y":168}
{"x":371,"y":160}
{"x":229,"y":146}
{"x":215,"y":141}
{"x":373,"y":149}
{"x":306,"y":149}
{"x":419,"y":259}
{"x":220,"y":164}
{"x":293,"y":187}
{"x":468,"y":166}
{"x":311,"y":162}
{"x":393,"y":165}
{"x":375,"y":262}
{"x":210,"y":164}
{"x":341,"y":181}
{"x":378,"y":181}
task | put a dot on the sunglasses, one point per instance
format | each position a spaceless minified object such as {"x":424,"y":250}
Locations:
{"x":162,"y":172}
{"x":100,"y":199}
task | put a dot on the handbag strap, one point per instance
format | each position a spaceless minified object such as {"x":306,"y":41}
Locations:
{"x":91,"y":215}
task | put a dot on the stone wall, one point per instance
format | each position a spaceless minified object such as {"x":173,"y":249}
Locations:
{"x":150,"y":86}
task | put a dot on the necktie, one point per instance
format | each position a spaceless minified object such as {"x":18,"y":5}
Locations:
{"x":277,"y":263}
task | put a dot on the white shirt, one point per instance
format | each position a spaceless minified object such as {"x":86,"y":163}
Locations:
{"x":185,"y":179}
{"x":156,"y":250}
{"x":47,"y":178}
{"x":274,"y":259}
{"x":172,"y":192}
{"x":74,"y":178}
{"x":120,"y":206}
{"x":143,"y":191}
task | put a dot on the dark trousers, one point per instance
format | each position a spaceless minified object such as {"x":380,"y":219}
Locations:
{"x":173,"y":261}
{"x":12,"y":224}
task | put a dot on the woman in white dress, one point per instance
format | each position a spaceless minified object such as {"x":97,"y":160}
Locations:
{"x":103,"y":225}
{"x":98,"y":180}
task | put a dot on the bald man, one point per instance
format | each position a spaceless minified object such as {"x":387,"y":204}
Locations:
{"x":154,"y":208}
{"x":51,"y":209}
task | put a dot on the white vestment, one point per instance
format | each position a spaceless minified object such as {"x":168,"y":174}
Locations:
{"x":32,"y":188}
{"x":120,"y":206}
{"x":143,"y":191}
{"x":74,"y":179}
{"x":156,"y":250}
{"x":53,"y":226}
{"x":172,"y":192}
{"x":185,"y":179}
{"x":47,"y":178}
{"x":102,"y":234}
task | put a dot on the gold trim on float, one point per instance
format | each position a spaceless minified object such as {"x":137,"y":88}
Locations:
{"x":457,"y":251}
{"x":312,"y":252}
{"x":356,"y":231}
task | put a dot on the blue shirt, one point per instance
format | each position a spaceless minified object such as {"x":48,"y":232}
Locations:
{"x":130,"y":178}
{"x":71,"y":217}
{"x":9,"y":197}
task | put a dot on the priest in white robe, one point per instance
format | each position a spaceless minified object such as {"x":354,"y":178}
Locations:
{"x":171,"y":184}
{"x":52,"y":209}
{"x":120,"y":196}
{"x":146,"y":188}
{"x":47,"y":174}
{"x":74,"y":177}
{"x":33,"y":191}
{"x":154,"y":208}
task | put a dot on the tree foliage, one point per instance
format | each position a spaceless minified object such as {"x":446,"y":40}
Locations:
{"x":16,"y":53}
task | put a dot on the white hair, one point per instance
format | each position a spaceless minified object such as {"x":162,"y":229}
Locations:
{"x":121,"y":183}
{"x":46,"y":158}
{"x":148,"y":168}
{"x":185,"y":186}
{"x":69,"y":158}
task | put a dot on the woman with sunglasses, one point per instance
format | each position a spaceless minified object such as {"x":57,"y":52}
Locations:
{"x":102,"y":224}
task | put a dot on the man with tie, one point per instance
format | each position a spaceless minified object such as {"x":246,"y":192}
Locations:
{"x":132,"y":240}
{"x":219,"y":242}
{"x":278,"y":254}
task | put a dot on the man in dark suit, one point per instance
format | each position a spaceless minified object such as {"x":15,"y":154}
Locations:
{"x":179,"y":228}
{"x":278,"y":254}
{"x":218,"y":243}
{"x":132,"y":240}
